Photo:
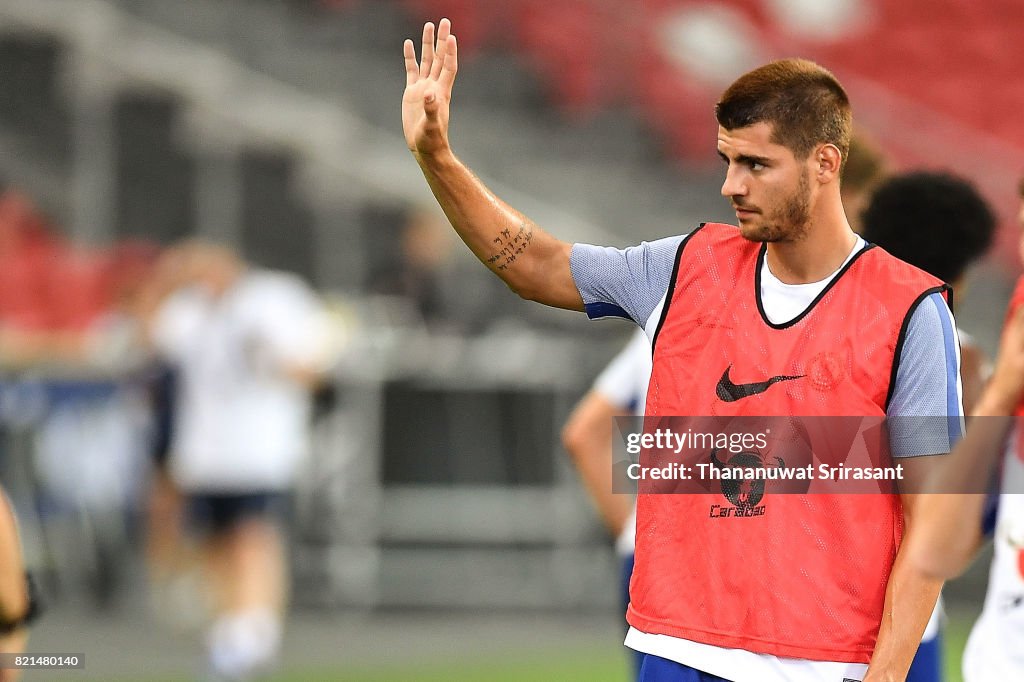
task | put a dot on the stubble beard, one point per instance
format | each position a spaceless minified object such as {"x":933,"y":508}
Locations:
{"x":791,"y":222}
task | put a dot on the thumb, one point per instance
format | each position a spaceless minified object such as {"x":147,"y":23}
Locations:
{"x":430,"y":105}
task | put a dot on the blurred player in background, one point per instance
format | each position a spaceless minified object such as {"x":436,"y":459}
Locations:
{"x":939,"y":223}
{"x":765,"y":305}
{"x":955,"y":525}
{"x":248,"y":346}
{"x":862,"y":171}
{"x":620,"y":390}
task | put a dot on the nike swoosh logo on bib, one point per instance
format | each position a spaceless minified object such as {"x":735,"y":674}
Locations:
{"x":730,"y":392}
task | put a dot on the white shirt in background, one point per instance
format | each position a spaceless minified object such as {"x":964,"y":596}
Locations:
{"x":241,"y":422}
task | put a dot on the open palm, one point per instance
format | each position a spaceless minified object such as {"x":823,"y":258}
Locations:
{"x":428,"y":89}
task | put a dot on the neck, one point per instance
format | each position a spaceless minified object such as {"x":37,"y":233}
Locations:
{"x":818,"y":253}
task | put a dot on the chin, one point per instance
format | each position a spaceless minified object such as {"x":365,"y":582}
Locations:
{"x":759,"y":233}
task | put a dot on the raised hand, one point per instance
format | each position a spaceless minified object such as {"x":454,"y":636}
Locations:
{"x":428,"y":90}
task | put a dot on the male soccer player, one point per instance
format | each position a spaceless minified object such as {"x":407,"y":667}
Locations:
{"x":953,"y":526}
{"x":790,"y":313}
{"x":248,"y":346}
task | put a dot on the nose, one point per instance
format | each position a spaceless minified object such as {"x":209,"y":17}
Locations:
{"x":735,"y":184}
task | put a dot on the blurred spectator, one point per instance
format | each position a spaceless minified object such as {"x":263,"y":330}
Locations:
{"x":427,"y":282}
{"x":415,"y":270}
{"x":248,"y":345}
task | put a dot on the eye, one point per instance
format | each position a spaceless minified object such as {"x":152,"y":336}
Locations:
{"x":757,"y":166}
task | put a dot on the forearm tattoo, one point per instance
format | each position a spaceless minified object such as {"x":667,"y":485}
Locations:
{"x":510,"y":246}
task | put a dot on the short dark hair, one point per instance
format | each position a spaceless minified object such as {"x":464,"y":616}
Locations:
{"x":804,"y":103}
{"x":935,"y":221}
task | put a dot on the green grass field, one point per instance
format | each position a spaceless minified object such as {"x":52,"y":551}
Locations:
{"x":602,"y":666}
{"x":599,"y":665}
{"x":957,"y":630}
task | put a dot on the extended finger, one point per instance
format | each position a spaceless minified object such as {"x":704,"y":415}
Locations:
{"x":427,"y":56}
{"x":444,"y":29}
{"x":412,"y":69}
{"x":450,"y":65}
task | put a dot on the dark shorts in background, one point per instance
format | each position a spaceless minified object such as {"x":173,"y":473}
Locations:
{"x":657,"y":669}
{"x":927,"y":665}
{"x":219,"y":512}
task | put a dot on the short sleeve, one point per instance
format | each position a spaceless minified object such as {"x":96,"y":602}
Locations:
{"x":628,"y":283}
{"x":925,"y":411}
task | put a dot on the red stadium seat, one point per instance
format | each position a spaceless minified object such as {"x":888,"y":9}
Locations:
{"x":567,"y":43}
{"x":958,"y":57}
{"x":678,"y":108}
{"x":473,"y":20}
{"x":82,"y":293}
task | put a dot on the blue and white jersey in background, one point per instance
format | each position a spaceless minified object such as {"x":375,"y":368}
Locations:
{"x":623,"y":383}
{"x":995,"y":649}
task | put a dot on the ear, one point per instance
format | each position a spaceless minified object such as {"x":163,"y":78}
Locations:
{"x":827,"y":161}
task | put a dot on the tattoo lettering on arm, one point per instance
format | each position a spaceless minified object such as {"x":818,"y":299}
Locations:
{"x":511,"y":246}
